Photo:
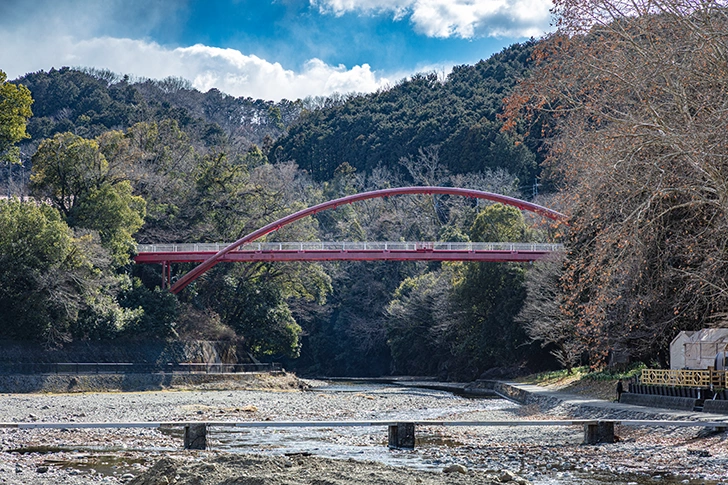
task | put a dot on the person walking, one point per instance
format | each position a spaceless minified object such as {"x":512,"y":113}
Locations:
{"x":620,"y":389}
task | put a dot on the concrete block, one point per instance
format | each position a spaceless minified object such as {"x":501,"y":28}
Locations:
{"x":196,"y":436}
{"x":657,"y":401}
{"x":717,"y":406}
{"x":402,"y":435}
{"x":600,"y":432}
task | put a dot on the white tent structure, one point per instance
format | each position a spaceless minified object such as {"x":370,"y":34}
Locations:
{"x":697,"y":350}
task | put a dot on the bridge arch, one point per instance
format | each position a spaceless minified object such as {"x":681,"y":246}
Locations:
{"x":332,"y":204}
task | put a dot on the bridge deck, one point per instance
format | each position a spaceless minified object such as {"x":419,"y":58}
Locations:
{"x":339,"y":424}
{"x":354,"y":251}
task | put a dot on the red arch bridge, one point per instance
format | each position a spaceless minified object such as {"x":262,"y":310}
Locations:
{"x":244,"y":249}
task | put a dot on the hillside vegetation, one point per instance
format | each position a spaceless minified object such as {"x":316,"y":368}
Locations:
{"x":634,"y":152}
{"x":458,"y":114}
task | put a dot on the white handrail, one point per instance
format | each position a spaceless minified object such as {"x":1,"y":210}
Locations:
{"x":353,"y":246}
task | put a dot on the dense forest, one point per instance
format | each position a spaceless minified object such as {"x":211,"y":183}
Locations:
{"x":634,"y":153}
{"x":458,"y":114}
{"x":118,"y":163}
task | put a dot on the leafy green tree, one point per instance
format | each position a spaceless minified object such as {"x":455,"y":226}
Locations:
{"x":489,"y":296}
{"x":74,"y":174}
{"x":485,"y":335}
{"x":66,"y":168}
{"x":255,"y":308}
{"x":499,"y":223}
{"x":156,"y":312}
{"x":15,"y":101}
{"x":46,"y":276}
{"x":104,"y":319}
{"x":116,"y":214}
{"x":458,"y":321}
{"x":415,"y":318}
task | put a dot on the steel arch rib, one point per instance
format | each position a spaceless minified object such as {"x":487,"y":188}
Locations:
{"x":332,"y":204}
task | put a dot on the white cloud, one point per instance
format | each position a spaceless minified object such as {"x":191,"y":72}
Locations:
{"x":466,"y":19}
{"x":228,"y":70}
{"x":340,"y":7}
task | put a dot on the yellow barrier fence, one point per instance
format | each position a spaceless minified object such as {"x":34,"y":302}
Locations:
{"x":684,"y":377}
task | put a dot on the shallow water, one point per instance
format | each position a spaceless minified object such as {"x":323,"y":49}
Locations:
{"x":545,"y":456}
{"x":432,"y":451}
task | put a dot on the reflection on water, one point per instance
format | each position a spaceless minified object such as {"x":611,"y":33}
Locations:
{"x":106,"y":465}
{"x":361,"y":443}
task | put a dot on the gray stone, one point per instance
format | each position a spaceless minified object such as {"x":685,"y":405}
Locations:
{"x":455,"y":469}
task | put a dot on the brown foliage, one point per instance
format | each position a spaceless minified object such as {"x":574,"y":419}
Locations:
{"x":633,"y":95}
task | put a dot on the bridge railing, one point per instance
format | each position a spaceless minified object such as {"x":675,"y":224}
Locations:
{"x":683,"y":377}
{"x":353,"y":246}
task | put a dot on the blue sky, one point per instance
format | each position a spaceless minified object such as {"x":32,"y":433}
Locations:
{"x":268,"y":49}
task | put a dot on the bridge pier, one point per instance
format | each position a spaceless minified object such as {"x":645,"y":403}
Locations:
{"x":196,"y":436}
{"x":166,"y":275}
{"x":599,"y":432}
{"x":402,"y":436}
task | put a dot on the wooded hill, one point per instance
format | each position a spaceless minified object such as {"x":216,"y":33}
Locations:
{"x":158,"y":161}
{"x":633,"y":152}
{"x":90,"y":102}
{"x":459,"y":114}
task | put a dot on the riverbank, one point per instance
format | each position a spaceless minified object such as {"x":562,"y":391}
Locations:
{"x":64,"y":383}
{"x":539,"y":455}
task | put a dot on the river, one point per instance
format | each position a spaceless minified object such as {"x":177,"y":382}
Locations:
{"x":542,"y":455}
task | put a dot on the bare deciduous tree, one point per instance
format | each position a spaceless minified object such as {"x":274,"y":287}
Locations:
{"x":634,"y":95}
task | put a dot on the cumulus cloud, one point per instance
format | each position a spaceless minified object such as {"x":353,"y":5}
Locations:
{"x":117,"y":35}
{"x":71,"y":34}
{"x":465,"y":19}
{"x":228,"y":70}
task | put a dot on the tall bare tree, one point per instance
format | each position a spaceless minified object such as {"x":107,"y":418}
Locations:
{"x":632,"y":97}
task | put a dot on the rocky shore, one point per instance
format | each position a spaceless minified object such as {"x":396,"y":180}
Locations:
{"x":537,"y":455}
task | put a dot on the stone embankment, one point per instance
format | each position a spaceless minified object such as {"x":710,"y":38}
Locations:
{"x":57,"y":383}
{"x":581,"y":406}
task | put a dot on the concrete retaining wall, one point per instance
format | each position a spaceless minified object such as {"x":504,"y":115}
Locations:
{"x":513,"y":393}
{"x":133,"y":382}
{"x":143,"y":352}
{"x":656,"y":401}
{"x":718,"y":407}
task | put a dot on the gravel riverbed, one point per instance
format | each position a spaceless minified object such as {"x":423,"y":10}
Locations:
{"x":539,"y":455}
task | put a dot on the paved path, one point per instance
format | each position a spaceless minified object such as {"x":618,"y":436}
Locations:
{"x":542,"y":394}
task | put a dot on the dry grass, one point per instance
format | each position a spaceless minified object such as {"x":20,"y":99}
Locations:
{"x":576,"y":382}
{"x":602,"y":389}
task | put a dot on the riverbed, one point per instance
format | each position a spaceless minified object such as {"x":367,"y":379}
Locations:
{"x":541,"y":455}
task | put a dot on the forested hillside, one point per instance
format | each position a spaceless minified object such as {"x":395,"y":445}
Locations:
{"x":90,"y":102}
{"x":459,"y":114}
{"x":633,"y":153}
{"x":115,"y":162}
